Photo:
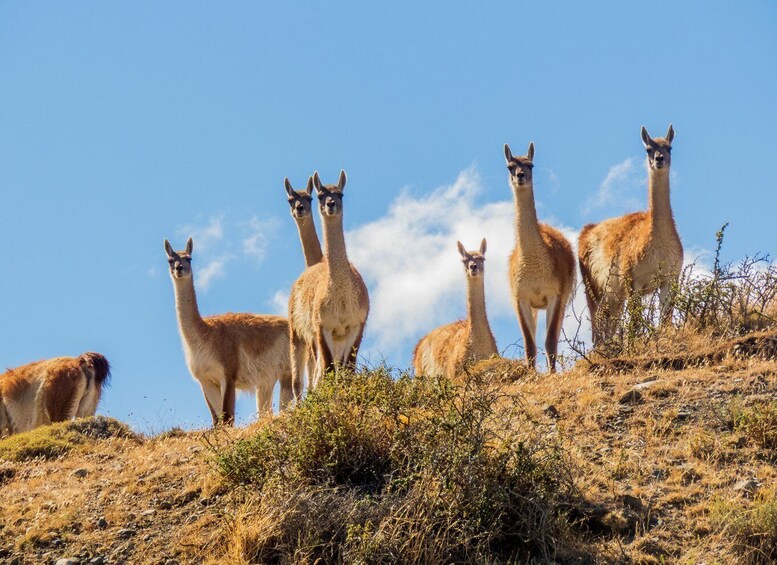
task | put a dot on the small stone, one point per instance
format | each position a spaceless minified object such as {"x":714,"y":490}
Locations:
{"x":126,"y":533}
{"x":633,"y":502}
{"x":684,"y":414}
{"x":648,"y":379}
{"x":551,"y":411}
{"x":659,"y":474}
{"x":149,"y":512}
{"x":80,"y":473}
{"x":100,"y":560}
{"x":747,"y":486}
{"x":647,"y":384}
{"x":102,"y":523}
{"x":631,"y":397}
{"x":68,"y":561}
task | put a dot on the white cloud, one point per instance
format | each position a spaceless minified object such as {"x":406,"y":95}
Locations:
{"x":207,"y":236}
{"x":218,"y":242}
{"x":213,"y":269}
{"x":410,"y":262}
{"x":280,"y":303}
{"x":619,"y":188}
{"x":258,"y":236}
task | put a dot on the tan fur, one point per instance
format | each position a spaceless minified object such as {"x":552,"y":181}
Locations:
{"x":639,"y":252}
{"x":542,"y":264}
{"x":329,"y":302}
{"x":448,"y":350}
{"x":53,"y":390}
{"x":302,"y":212}
{"x":230,"y":352}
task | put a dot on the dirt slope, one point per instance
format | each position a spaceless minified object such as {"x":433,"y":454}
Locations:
{"x":678,"y":465}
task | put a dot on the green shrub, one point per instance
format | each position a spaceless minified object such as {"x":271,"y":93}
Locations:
{"x":753,"y":530}
{"x":55,"y":440}
{"x":369,"y":468}
{"x":759,"y":424}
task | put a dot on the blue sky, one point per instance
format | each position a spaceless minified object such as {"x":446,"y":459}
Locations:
{"x":123,"y":124}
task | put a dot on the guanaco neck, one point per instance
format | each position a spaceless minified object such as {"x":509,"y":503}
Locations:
{"x":480,"y":330}
{"x":527,"y":230}
{"x":190,"y":322}
{"x":334,"y":246}
{"x":659,"y":206}
{"x":311,"y":248}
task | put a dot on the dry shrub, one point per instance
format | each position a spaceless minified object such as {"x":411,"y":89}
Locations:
{"x":730,"y":301}
{"x":369,"y":468}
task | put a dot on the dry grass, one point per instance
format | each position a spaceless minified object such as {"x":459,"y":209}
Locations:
{"x":679,"y":471}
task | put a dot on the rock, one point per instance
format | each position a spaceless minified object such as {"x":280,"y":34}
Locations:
{"x":631,"y":397}
{"x":126,"y":533}
{"x":649,"y":379}
{"x":97,"y":561}
{"x":551,"y":411}
{"x":80,"y":473}
{"x":659,"y":474}
{"x":747,"y":486}
{"x":684,"y":413}
{"x":149,"y":512}
{"x":633,"y":502}
{"x":102,"y":523}
{"x":68,"y":561}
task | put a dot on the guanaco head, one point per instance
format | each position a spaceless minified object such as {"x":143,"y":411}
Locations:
{"x":474,"y":261}
{"x":180,"y":261}
{"x":300,"y":200}
{"x":520,"y":167}
{"x":330,"y":196}
{"x":659,"y":150}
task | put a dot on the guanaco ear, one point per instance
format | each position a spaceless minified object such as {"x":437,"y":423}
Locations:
{"x":309,"y":187}
{"x":645,"y":137}
{"x":462,"y":251}
{"x":483,"y":246}
{"x":189,"y":246}
{"x":287,"y":184}
{"x":530,"y":153}
{"x":316,"y":181}
{"x":670,"y":134}
{"x":341,"y":181}
{"x":508,"y":154}
{"x":169,"y":249}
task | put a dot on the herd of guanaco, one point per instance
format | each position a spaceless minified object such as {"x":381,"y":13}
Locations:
{"x":329,"y":304}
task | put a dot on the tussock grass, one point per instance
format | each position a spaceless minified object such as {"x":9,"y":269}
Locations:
{"x":373,"y":469}
{"x":759,"y":424}
{"x":752,"y":531}
{"x":711,"y":308}
{"x":56,"y":440}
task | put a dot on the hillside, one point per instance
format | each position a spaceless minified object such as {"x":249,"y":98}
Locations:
{"x":646,"y":462}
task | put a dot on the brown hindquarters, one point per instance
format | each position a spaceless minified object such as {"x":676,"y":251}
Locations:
{"x":60,"y":388}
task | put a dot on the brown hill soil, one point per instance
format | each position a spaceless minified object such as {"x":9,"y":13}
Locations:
{"x":672,"y":465}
